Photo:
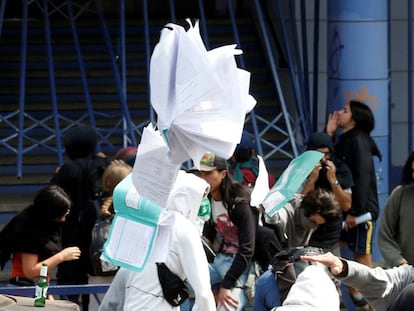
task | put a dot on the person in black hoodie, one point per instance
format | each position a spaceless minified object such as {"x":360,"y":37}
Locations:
{"x":357,"y":148}
{"x":81,"y":178}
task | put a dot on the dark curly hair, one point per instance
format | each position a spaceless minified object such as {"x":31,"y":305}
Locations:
{"x":407,"y":172}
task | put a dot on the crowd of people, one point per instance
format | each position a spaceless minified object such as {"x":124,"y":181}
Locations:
{"x":217,"y":259}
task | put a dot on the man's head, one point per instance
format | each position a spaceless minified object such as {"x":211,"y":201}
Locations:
{"x":321,"y":142}
{"x":320,"y":206}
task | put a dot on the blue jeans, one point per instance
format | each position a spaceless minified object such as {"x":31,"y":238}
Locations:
{"x":267,"y":293}
{"x":218,"y":270}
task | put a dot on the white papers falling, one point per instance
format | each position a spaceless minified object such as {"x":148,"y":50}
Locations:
{"x":153,"y":173}
{"x":201,"y":97}
{"x":261,"y":187}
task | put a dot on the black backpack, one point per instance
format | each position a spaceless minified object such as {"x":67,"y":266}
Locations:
{"x":287,"y":265}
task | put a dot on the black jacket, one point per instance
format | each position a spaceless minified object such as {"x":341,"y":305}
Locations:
{"x":29,"y":233}
{"x":243,"y":218}
{"x":328,"y":234}
{"x":357,"y":149}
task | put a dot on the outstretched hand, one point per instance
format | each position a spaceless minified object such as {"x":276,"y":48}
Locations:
{"x":328,"y":259}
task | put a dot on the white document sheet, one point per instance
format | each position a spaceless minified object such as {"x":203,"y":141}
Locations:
{"x":153,"y":172}
{"x":201,"y":97}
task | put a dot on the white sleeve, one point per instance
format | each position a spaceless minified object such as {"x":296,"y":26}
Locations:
{"x":115,"y":296}
{"x":195,"y":266}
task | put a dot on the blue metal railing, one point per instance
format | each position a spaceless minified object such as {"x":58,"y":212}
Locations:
{"x":2,"y":9}
{"x":82,"y":70}
{"x":22,"y":88}
{"x":52,"y":83}
{"x":290,"y":139}
{"x":243,"y":65}
{"x":28,"y":291}
{"x":124,"y":105}
{"x":63,"y":120}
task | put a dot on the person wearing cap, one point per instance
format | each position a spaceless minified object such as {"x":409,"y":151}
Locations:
{"x":232,"y":227}
{"x":244,"y":164}
{"x":330,"y":174}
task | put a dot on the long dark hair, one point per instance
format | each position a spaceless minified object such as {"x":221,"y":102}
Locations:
{"x":233,"y":192}
{"x":50,"y":203}
{"x":362,"y":116}
{"x":407,"y":173}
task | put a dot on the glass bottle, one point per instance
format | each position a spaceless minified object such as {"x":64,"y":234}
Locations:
{"x":42,"y":285}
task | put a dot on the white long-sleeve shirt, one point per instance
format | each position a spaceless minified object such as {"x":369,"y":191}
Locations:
{"x":380,"y":287}
{"x":142,"y":290}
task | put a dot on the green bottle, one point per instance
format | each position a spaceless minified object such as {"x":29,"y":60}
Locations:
{"x":42,"y":285}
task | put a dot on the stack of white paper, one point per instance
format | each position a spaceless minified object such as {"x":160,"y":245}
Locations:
{"x":201,"y":97}
{"x":153,"y":173}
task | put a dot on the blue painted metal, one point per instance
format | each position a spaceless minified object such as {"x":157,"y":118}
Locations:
{"x":272,"y":125}
{"x":315,"y":95}
{"x":122,"y":59}
{"x":148,"y":57}
{"x":2,"y":9}
{"x":172,"y":11}
{"x":122,"y":47}
{"x":22,"y":93}
{"x":296,"y":89}
{"x":298,"y":67}
{"x":124,"y":106}
{"x":305,"y":60}
{"x":359,"y":28}
{"x":203,"y":24}
{"x":253,"y":121}
{"x":82,"y":70}
{"x":27,"y":291}
{"x":52,"y":82}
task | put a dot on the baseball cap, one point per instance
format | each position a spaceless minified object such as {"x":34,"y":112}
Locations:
{"x":209,"y":161}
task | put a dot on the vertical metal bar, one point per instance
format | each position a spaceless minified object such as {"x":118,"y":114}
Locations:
{"x":22,"y":93}
{"x":2,"y":9}
{"x":410,"y":75}
{"x":172,"y":11}
{"x":52,"y":82}
{"x":276,"y":77}
{"x":123,"y":45}
{"x":291,"y":69}
{"x":81,"y":67}
{"x":123,"y":63}
{"x":204,"y":24}
{"x":109,"y":47}
{"x":315,"y":64}
{"x":306,"y":61}
{"x":147,"y":56}
{"x":243,"y":65}
{"x":298,"y":65}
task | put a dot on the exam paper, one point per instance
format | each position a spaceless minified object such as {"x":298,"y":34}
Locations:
{"x":134,"y":229}
{"x":290,"y":181}
{"x":153,"y":172}
{"x":201,"y":97}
